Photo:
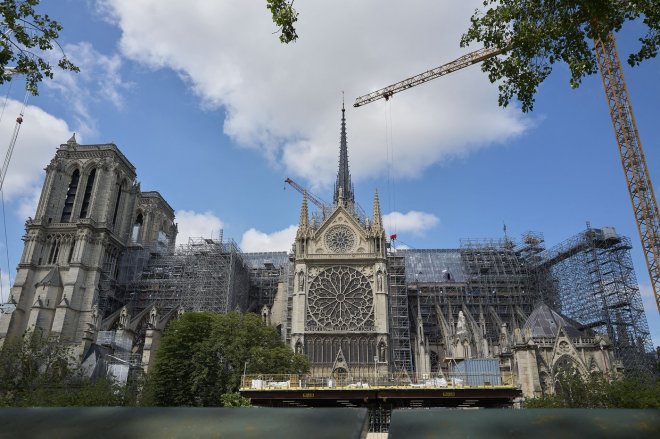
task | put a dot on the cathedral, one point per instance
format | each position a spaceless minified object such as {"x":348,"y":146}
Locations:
{"x":100,"y":271}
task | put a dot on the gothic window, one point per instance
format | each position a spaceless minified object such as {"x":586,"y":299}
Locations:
{"x":382,"y":352}
{"x":357,"y":349}
{"x":162,"y":236}
{"x":340,"y":298}
{"x":88,"y":194}
{"x":120,"y":189}
{"x":340,"y":239}
{"x":137,"y":227}
{"x":70,"y":197}
{"x":54,"y":251}
{"x":71,"y":247}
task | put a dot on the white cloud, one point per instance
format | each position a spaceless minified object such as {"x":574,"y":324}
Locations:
{"x":651,"y":308}
{"x":196,"y":225}
{"x":414,"y":222}
{"x":99,"y":79}
{"x":256,"y":241}
{"x":4,"y":291}
{"x":284,"y":99}
{"x":39,"y":137}
{"x":27,"y":205}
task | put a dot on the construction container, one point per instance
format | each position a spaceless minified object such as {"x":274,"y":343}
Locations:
{"x":478,"y":372}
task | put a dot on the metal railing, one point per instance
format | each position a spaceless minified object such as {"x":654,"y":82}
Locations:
{"x":376,"y":381}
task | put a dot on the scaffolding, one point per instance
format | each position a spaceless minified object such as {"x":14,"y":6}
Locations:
{"x":266,"y":272}
{"x":401,"y":360}
{"x":202,"y":275}
{"x":492,"y":282}
{"x":597,"y":287}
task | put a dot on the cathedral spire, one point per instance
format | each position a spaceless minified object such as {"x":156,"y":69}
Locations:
{"x":304,"y":214}
{"x":343,"y":175}
{"x":377,"y":216}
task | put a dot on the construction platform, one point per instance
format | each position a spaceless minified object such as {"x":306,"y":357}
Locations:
{"x":378,"y":391}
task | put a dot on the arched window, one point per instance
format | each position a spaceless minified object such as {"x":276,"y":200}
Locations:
{"x":88,"y":194}
{"x":137,"y":227}
{"x":70,"y":197}
{"x":120,"y":188}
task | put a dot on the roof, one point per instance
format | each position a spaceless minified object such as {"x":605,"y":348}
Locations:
{"x":544,"y":322}
{"x":433,"y":265}
{"x":264,"y":259}
{"x":51,"y":279}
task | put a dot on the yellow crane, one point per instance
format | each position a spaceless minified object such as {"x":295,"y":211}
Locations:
{"x":640,"y":189}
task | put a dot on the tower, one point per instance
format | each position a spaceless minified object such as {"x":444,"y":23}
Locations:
{"x":66,"y":278}
{"x":339,"y":303}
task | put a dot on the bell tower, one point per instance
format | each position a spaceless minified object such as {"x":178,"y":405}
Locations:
{"x":73,"y":244}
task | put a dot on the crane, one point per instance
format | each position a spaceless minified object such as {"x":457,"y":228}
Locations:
{"x":311,"y":197}
{"x":640,"y":189}
{"x":325,"y":208}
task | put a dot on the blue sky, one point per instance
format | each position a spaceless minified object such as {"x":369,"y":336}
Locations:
{"x":215,"y":114}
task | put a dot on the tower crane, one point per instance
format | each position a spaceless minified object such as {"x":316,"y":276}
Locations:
{"x":322,"y":205}
{"x":311,"y":197}
{"x":640,"y":189}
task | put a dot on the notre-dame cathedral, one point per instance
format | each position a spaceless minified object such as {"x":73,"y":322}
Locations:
{"x":101,"y":272}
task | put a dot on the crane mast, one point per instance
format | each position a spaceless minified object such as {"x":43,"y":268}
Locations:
{"x":634,"y":165}
{"x":645,"y":207}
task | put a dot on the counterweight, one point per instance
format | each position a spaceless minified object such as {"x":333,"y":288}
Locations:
{"x":645,"y":207}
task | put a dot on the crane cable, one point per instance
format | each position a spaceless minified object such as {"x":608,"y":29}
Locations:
{"x":5,"y":167}
{"x":2,"y":113}
{"x":389,"y":150}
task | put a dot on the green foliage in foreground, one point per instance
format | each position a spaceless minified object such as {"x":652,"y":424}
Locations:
{"x":36,"y":372}
{"x":26,"y":38}
{"x":594,"y":391}
{"x":542,"y":33}
{"x":203,"y":356}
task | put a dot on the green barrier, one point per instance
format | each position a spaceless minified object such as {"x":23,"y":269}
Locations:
{"x":182,"y":422}
{"x":529,"y":423}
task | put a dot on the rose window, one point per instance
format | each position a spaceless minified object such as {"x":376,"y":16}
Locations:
{"x":340,"y":239}
{"x":340,"y":298}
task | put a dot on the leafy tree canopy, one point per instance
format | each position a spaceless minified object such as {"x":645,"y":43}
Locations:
{"x":594,"y":391}
{"x":537,"y":34}
{"x":26,"y":37}
{"x":540,"y":33}
{"x":39,"y":372}
{"x":285,"y":17}
{"x":203,"y":356}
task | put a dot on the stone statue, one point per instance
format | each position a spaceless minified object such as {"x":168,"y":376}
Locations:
{"x":461,"y":326}
{"x":153,"y":317}
{"x":123,"y":318}
{"x":381,"y":352}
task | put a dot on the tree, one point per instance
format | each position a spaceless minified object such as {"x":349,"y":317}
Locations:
{"x":540,"y":33}
{"x":26,"y":37}
{"x":35,"y":371}
{"x":203,"y":357}
{"x":284,"y":16}
{"x":537,"y":34}
{"x":594,"y":391}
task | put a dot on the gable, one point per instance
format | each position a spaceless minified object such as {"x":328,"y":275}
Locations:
{"x":339,"y":233}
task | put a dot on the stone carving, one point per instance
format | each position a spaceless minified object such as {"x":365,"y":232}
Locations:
{"x":461,"y":326}
{"x":340,"y":298}
{"x":340,"y":239}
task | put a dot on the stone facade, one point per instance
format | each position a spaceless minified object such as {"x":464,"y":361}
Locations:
{"x":88,"y":209}
{"x":339,"y":304}
{"x":100,"y":272}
